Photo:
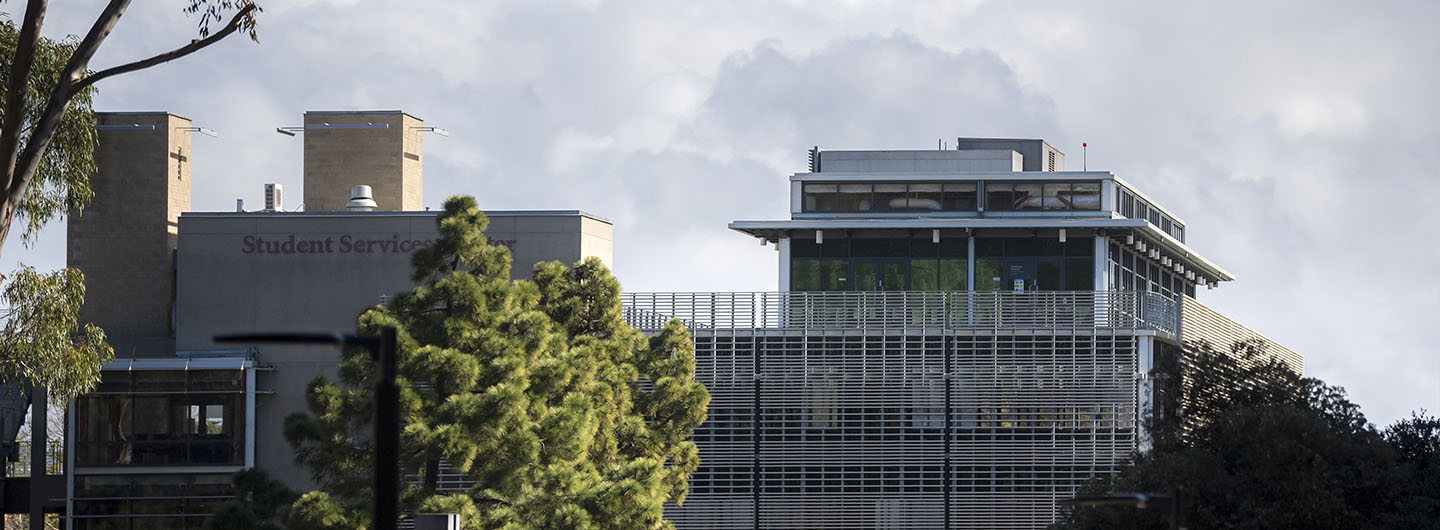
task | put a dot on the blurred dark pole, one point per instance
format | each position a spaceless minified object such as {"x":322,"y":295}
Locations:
{"x":383,"y":350}
{"x":387,"y":434}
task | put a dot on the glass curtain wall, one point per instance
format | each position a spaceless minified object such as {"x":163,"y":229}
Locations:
{"x":1043,"y":264}
{"x":162,"y":417}
{"x":1132,"y":271}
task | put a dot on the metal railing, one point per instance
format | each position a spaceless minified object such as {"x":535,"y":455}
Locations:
{"x":1059,"y":310}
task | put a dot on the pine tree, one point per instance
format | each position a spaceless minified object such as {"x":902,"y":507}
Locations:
{"x":561,"y":414}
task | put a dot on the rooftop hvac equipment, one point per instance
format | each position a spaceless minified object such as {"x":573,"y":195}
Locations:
{"x":361,"y":199}
{"x":274,"y":197}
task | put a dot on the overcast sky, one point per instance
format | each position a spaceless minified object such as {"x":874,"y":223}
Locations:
{"x":1300,"y":140}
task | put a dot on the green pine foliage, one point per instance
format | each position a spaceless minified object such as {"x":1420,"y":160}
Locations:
{"x":564,"y":416}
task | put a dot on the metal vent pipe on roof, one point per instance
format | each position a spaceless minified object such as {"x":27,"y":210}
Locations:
{"x":361,"y":199}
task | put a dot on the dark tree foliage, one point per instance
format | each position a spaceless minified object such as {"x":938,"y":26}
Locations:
{"x":563,"y":416}
{"x":260,"y":504}
{"x":1258,"y":446}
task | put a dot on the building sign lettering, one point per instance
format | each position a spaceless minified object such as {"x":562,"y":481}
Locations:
{"x":346,"y":244}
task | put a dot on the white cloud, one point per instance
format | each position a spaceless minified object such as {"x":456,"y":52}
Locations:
{"x":1300,"y":144}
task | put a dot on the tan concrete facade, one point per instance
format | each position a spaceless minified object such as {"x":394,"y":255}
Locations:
{"x":253,"y":272}
{"x":380,"y":149}
{"x":124,"y":241}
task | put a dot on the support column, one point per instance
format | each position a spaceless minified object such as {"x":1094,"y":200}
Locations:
{"x":39,"y":438}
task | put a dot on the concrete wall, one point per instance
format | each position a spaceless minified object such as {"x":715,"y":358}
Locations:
{"x":389,"y":159}
{"x":997,"y":159}
{"x":314,"y":271}
{"x":286,"y":271}
{"x":123,"y":241}
{"x":1037,"y":153}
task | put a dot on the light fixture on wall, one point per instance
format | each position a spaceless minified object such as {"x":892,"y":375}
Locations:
{"x":1062,"y":235}
{"x":819,"y":237}
{"x":935,"y":236}
{"x":207,"y":132}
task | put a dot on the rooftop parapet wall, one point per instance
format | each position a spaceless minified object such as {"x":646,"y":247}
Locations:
{"x":919,"y":161}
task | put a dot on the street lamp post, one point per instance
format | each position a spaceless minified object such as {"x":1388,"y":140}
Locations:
{"x":383,"y":349}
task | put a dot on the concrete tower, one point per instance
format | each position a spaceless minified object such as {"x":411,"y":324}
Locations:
{"x":381,"y":149}
{"x":124,"y":241}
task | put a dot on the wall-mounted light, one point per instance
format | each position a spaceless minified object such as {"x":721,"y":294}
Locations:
{"x":1190,"y":275}
{"x":819,"y":237}
{"x":201,"y":130}
{"x":935,"y":235}
{"x":1062,"y":235}
{"x":436,"y":130}
{"x":1129,"y":239}
{"x":290,"y":131}
{"x":129,"y":127}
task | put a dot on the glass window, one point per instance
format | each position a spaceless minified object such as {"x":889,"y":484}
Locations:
{"x":925,"y":197}
{"x":955,"y":247}
{"x":960,"y":197}
{"x":854,"y":197}
{"x":834,"y":275}
{"x":1027,"y":196}
{"x":889,"y":197}
{"x":1127,"y":204}
{"x":835,"y":248}
{"x":953,"y":275}
{"x":821,"y":198}
{"x":1180,"y":232}
{"x":987,"y":274}
{"x":804,"y":248}
{"x":1048,"y":274}
{"x":880,"y":248}
{"x":1057,"y":196}
{"x":924,"y":275}
{"x":804,"y":275}
{"x":1079,"y":274}
{"x":999,"y":196}
{"x":989,"y":248}
{"x":1079,"y":246}
{"x":217,"y":380}
{"x":1085,"y":196}
{"x":159,"y":381}
{"x":924,"y":248}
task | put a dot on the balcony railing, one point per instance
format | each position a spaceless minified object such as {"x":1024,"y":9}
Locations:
{"x":1058,"y":310}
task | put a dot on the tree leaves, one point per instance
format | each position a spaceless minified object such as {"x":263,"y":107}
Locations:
{"x":562,"y":415}
{"x":40,"y":342}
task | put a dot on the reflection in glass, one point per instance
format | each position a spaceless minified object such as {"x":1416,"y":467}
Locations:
{"x":821,"y":197}
{"x":1048,"y":274}
{"x":960,"y":197}
{"x":833,"y":275}
{"x":894,"y":276}
{"x":805,"y":275}
{"x":924,"y":197}
{"x":890,"y":197}
{"x":999,"y":196}
{"x":854,"y":197}
{"x":1057,"y":196}
{"x":924,"y":275}
{"x":1085,"y":196}
{"x":987,"y":275}
{"x":866,"y":278}
{"x":1027,"y":197}
{"x":953,"y":275}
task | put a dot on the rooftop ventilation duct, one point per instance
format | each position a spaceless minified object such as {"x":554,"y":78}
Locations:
{"x":361,"y":200}
{"x":274,"y":197}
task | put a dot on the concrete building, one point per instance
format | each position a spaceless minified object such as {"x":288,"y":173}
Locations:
{"x":961,"y":339}
{"x":175,"y":415}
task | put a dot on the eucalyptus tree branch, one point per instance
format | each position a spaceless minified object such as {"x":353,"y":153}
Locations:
{"x":171,"y":55}
{"x":16,"y":87}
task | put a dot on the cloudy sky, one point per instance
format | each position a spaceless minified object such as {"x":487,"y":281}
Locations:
{"x":1300,"y":140}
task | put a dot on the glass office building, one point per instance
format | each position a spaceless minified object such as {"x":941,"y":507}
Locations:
{"x":960,"y":340}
